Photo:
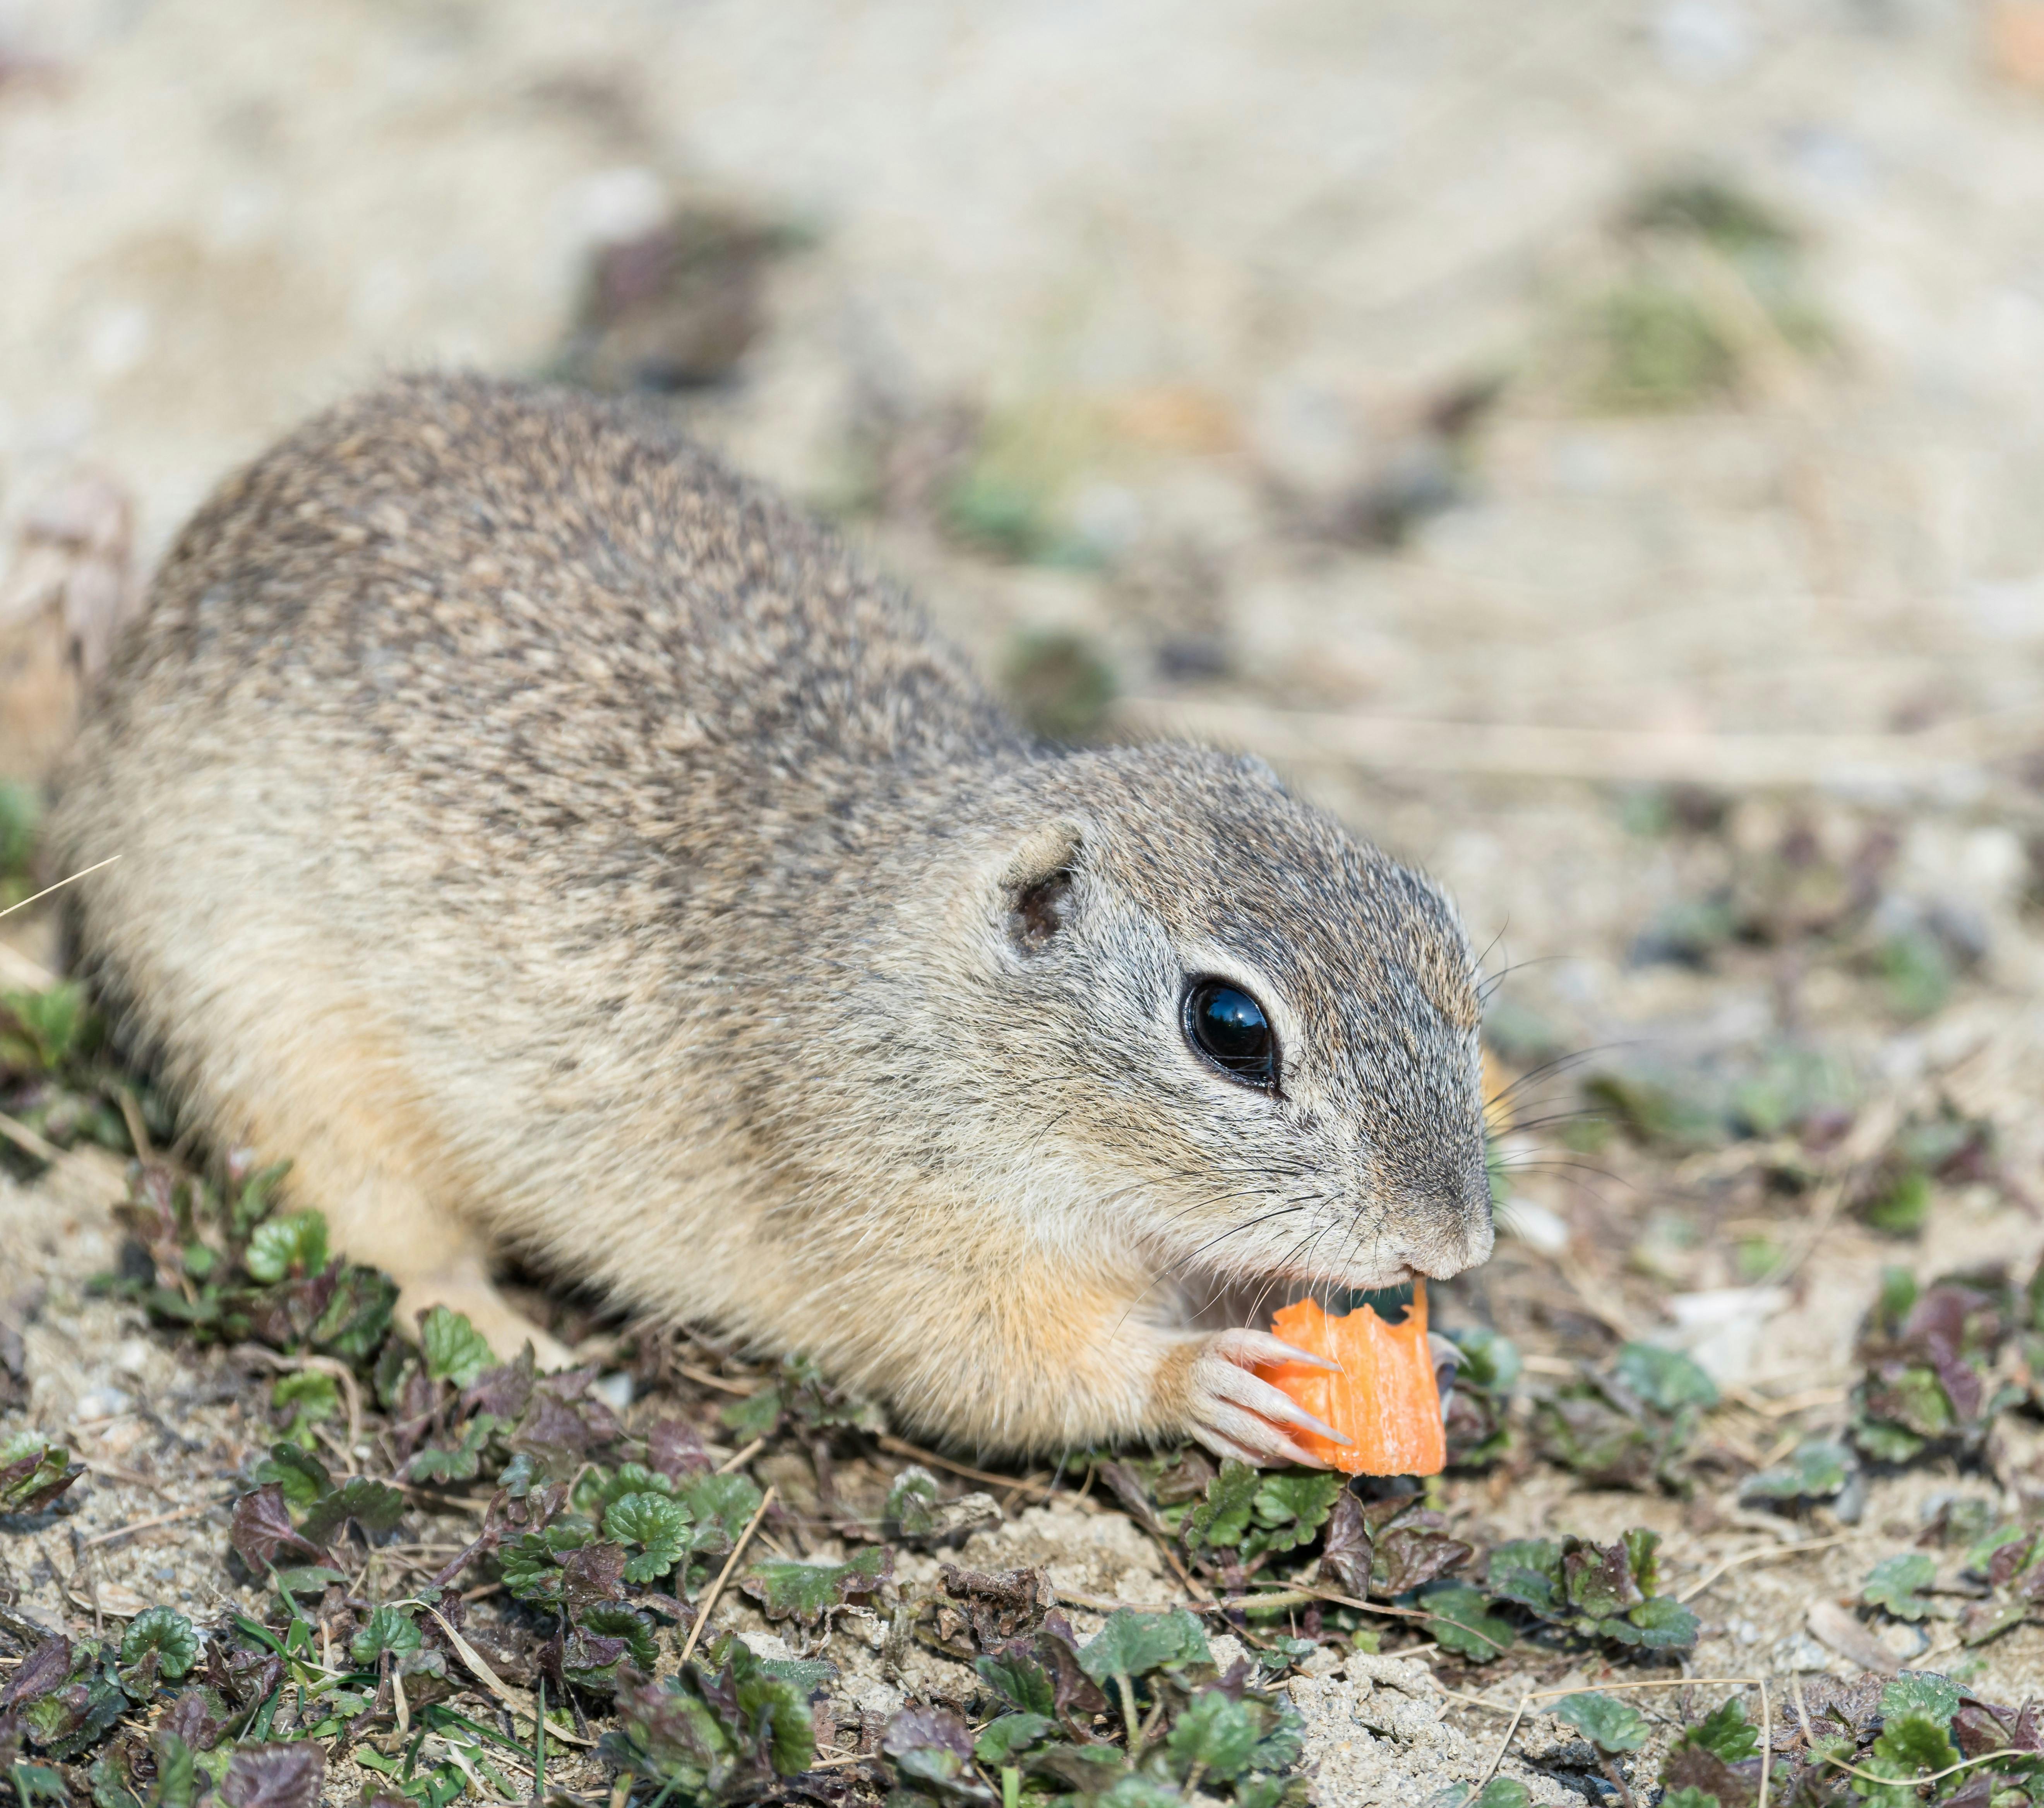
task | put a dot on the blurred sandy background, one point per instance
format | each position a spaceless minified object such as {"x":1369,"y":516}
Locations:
{"x":1596,"y":447}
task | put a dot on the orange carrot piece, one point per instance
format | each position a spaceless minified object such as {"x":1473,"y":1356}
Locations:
{"x":1385,"y":1398}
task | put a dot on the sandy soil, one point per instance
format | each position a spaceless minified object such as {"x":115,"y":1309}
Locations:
{"x":1206,"y":287}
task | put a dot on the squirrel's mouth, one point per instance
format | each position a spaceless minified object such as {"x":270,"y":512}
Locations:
{"x":1224,"y":1303}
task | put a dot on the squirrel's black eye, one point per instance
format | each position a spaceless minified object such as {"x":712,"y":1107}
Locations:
{"x":1227,"y":1026}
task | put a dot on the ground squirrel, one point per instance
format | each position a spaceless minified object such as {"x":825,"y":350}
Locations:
{"x":557,"y":844}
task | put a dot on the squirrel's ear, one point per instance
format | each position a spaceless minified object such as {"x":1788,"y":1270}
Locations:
{"x":1036,"y":885}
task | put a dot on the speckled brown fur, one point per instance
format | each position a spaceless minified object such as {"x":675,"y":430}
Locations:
{"x":555,"y":842}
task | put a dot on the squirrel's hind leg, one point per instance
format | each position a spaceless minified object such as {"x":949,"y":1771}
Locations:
{"x":377,"y":1215}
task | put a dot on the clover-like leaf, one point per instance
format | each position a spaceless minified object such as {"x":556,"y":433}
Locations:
{"x":388,"y":1629}
{"x":306,"y":1579}
{"x":310,"y":1397}
{"x":1000,"y":1739}
{"x":458,"y":1462}
{"x":1916,"y":1742}
{"x":531,"y":1563}
{"x":301,"y":1476}
{"x":1458,"y":1616}
{"x":1020,"y":1681}
{"x":806,"y":1591}
{"x":454,"y":1350}
{"x":1725,"y":1733}
{"x":1609,"y":1724}
{"x":33,"y":1472}
{"x":912,"y":1502}
{"x":294,"y":1245}
{"x":606,"y":1636}
{"x":1528,"y":1571}
{"x":754,"y":1416}
{"x":1290,"y":1506}
{"x":1217,"y":1733}
{"x":165,"y":1632}
{"x":1133,"y":1645}
{"x":357,"y":1316}
{"x":375,"y":1506}
{"x":1921,"y":1691}
{"x":932,"y":1746}
{"x":1222,"y":1519}
{"x":1499,"y":1792}
{"x":656,"y":1522}
{"x":720,"y":1506}
{"x":1665,"y":1378}
{"x":1661,"y":1624}
{"x":1894,"y":1584}
{"x":1818,"y":1468}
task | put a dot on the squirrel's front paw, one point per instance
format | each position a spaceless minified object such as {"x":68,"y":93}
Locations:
{"x":1235,"y":1412}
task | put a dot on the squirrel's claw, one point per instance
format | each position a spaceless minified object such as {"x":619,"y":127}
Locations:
{"x":1237,"y":1413}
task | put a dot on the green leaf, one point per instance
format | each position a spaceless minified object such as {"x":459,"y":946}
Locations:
{"x":312,"y":1398}
{"x":357,"y":1317}
{"x":51,"y":1020}
{"x":1724,"y":1732}
{"x":251,"y":1205}
{"x":807,"y":1674}
{"x":806,"y":1591}
{"x":1893,"y":1583}
{"x":1689,"y":1796}
{"x":389,"y":1628}
{"x":1000,"y":1739}
{"x":754,"y":1416}
{"x":1133,"y":1645}
{"x":531,"y":1563}
{"x":1921,"y":1691}
{"x":302,"y":1476}
{"x":589,"y":1669}
{"x":1224,"y":1517}
{"x":1609,"y":1724}
{"x":1503,"y":1792}
{"x":1528,"y":1571}
{"x":912,"y":1502}
{"x":600,"y":1487}
{"x":1020,"y":1681}
{"x":33,"y":1473}
{"x":177,"y":1773}
{"x":1290,"y":1506}
{"x":169,"y":1634}
{"x":375,"y":1506}
{"x":1458,"y":1616}
{"x":780,"y":1712}
{"x":1489,"y":1361}
{"x":1818,"y":1469}
{"x":1662,"y":1624}
{"x":720,"y":1506}
{"x":1886,"y":1443}
{"x":308,"y":1578}
{"x":455,"y":1350}
{"x":295,"y":1245}
{"x":1915,"y":1742}
{"x":459,"y":1463}
{"x":1664,"y":1378}
{"x":658,"y":1524}
{"x":1218,"y":1734}
{"x":1136,"y":1790}
{"x":1641,"y":1544}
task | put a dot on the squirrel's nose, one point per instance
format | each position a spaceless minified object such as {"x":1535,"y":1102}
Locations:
{"x":1454,"y":1230}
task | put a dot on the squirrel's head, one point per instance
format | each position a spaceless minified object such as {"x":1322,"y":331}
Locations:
{"x":1207,"y":1020}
